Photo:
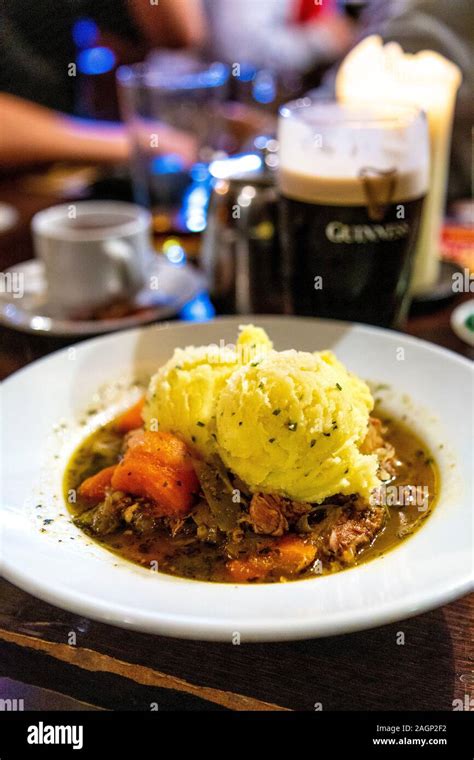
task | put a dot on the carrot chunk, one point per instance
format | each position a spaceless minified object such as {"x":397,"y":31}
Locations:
{"x":290,"y":554}
{"x":253,"y":568}
{"x":158,"y":467}
{"x":166,"y":448}
{"x":131,"y":418}
{"x":294,"y":554}
{"x":94,"y":488}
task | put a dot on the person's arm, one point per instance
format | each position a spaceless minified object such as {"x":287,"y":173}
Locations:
{"x":30,"y":134}
{"x":169,"y":23}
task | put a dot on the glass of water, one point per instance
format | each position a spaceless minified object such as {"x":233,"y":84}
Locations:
{"x":170,"y":91}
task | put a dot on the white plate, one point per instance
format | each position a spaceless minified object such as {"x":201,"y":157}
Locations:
{"x":62,"y":566}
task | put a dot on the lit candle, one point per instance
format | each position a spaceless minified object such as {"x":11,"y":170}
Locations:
{"x":377,"y":73}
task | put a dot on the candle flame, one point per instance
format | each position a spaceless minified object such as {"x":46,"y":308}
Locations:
{"x":386,"y":74}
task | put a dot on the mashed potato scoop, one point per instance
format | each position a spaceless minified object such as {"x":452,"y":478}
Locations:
{"x":291,"y":424}
{"x":182,"y":396}
{"x":288,"y":422}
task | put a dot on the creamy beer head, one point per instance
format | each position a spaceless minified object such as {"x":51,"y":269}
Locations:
{"x":352,"y":182}
{"x":342,"y":154}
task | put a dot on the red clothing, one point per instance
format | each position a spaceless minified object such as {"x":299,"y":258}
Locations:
{"x":308,"y":10}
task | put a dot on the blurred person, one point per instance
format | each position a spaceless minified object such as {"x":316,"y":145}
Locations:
{"x":31,"y":134}
{"x":281,"y":35}
{"x":37,"y":44}
{"x":37,"y":93}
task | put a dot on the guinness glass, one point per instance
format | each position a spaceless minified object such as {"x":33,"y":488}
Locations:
{"x":352,"y":182}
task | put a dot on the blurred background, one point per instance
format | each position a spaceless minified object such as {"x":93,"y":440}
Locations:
{"x":173,"y":105}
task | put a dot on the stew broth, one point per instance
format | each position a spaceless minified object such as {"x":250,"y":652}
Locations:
{"x":182,"y":555}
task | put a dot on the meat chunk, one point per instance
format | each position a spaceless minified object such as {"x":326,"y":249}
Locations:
{"x":140,"y":516}
{"x":374,"y":439}
{"x":207,"y":526}
{"x":351,"y":530}
{"x":272,"y":515}
{"x":374,"y":443}
{"x":266,"y":515}
{"x":106,"y":517}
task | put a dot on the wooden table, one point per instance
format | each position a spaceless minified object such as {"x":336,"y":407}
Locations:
{"x":110,"y":668}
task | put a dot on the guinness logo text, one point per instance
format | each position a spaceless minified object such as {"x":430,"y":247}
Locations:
{"x":338,"y":232}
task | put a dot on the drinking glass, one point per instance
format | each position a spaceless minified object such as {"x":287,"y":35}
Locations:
{"x":352,"y":181}
{"x":171,"y":90}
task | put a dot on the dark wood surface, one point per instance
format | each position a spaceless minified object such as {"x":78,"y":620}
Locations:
{"x":115,"y":669}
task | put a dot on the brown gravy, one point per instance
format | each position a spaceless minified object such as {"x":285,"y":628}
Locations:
{"x":183,"y":556}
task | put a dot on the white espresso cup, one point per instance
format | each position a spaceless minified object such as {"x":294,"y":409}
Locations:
{"x":94,"y":252}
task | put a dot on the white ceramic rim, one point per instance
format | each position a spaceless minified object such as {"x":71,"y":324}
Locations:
{"x":136,"y":219}
{"x":209,"y":627}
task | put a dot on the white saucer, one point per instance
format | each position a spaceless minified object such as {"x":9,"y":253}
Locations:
{"x":32,"y":313}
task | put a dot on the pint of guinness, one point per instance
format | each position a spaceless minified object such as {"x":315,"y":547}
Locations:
{"x":352,"y":182}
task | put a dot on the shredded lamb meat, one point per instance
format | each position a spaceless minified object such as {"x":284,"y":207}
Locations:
{"x":340,"y":535}
{"x":374,"y":443}
{"x":347,"y":531}
{"x":272,"y":515}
